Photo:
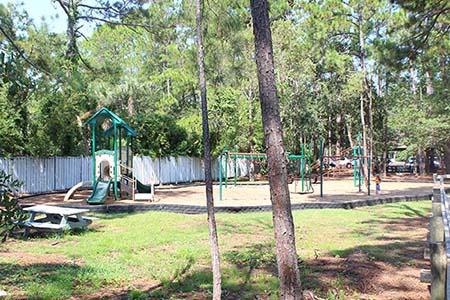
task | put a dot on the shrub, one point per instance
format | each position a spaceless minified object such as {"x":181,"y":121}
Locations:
{"x":10,"y":211}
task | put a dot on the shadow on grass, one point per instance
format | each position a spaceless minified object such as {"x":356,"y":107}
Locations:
{"x":248,"y":272}
{"x":45,"y":280}
{"x":36,"y":234}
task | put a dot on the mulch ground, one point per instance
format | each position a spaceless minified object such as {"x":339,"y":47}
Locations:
{"x":335,"y":189}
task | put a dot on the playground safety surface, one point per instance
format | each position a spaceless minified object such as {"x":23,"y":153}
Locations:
{"x":190,"y":198}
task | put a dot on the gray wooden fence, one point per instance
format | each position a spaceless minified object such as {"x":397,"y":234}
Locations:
{"x":41,"y":175}
{"x":439,"y":243}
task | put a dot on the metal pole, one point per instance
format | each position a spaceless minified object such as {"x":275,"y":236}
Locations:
{"x":226,"y":166}
{"x":354,"y":166}
{"x":220,"y":176}
{"x":368,"y":175}
{"x":360,"y":169}
{"x":321,"y":168}
{"x":120,"y":157}
{"x":235,"y":165}
{"x":93,"y":156}
{"x":303,"y":167}
{"x":128,"y":154}
{"x":115,"y":161}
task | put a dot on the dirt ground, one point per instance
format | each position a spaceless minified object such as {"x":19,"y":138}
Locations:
{"x":255,"y":194}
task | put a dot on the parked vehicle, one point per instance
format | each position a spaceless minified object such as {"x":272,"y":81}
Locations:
{"x":411,"y":163}
{"x":345,"y":162}
{"x":342,"y":162}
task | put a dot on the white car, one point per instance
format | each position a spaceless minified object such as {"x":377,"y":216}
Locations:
{"x":344,"y":162}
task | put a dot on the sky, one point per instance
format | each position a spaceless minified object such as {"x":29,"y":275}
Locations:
{"x":37,"y":9}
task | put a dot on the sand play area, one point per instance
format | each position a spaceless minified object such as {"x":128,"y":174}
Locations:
{"x":255,"y":194}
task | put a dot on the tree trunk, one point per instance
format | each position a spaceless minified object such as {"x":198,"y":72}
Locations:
{"x":72,"y":48}
{"x":371,"y":146}
{"x":213,"y":239}
{"x":338,"y":138}
{"x":421,"y":160}
{"x":412,"y":76}
{"x":329,"y":136}
{"x":287,"y":261}
{"x":385,"y":120}
{"x":130,"y":105}
{"x":349,"y":131}
{"x":362,"y":57}
{"x":447,"y":157}
{"x":430,"y":89}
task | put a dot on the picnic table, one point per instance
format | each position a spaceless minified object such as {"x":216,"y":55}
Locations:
{"x":56,"y":218}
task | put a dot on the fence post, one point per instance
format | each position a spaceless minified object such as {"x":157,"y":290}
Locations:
{"x":438,"y":255}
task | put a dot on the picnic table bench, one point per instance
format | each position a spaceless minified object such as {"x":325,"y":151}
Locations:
{"x":56,"y":218}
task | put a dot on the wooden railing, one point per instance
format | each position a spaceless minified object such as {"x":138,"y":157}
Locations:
{"x":439,"y":243}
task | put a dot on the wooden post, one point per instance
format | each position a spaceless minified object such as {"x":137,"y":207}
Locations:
{"x":438,"y":256}
{"x":438,"y":270}
{"x":436,"y":206}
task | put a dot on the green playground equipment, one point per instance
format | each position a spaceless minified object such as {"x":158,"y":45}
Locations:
{"x":305,"y":159}
{"x":359,"y":160}
{"x":110,"y":162}
{"x":100,"y":191}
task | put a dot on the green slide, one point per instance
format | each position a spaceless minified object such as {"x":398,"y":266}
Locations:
{"x":143,"y":188}
{"x":100,"y":192}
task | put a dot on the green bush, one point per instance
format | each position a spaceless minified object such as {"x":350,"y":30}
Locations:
{"x":10,"y":211}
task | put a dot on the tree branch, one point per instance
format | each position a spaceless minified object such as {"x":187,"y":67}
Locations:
{"x":21,"y":53}
{"x":63,"y":6}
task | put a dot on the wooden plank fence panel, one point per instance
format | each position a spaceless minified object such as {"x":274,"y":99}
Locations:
{"x":42,"y":175}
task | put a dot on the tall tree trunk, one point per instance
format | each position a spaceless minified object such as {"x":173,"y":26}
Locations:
{"x":430,"y":89}
{"x":287,"y":261}
{"x":371,"y":146}
{"x":213,"y":239}
{"x":447,"y":157}
{"x":329,"y":136}
{"x":71,"y":10}
{"x":338,"y":138}
{"x":131,"y":105}
{"x":412,"y":75}
{"x":384,"y":119}
{"x":362,"y":57}
{"x":349,"y":131}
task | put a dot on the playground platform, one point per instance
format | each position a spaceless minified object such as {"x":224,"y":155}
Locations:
{"x":190,"y":199}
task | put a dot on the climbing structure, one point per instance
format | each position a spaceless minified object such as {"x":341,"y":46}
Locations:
{"x":111,"y":160}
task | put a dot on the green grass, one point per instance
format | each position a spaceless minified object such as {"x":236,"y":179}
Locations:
{"x":170,"y":252}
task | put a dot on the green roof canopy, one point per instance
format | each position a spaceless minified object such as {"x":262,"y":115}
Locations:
{"x":104,"y":114}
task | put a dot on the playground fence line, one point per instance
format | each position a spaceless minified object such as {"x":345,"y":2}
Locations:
{"x":41,"y":175}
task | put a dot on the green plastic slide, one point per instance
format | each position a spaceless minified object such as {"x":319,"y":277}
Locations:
{"x":100,"y":192}
{"x":143,"y":188}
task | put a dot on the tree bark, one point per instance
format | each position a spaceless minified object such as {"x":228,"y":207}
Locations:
{"x":349,"y":131}
{"x":412,"y":73}
{"x":362,"y":57}
{"x":447,"y":158}
{"x":213,"y":239}
{"x":131,"y":105}
{"x":287,"y":261}
{"x":338,"y":139}
{"x":430,"y":89}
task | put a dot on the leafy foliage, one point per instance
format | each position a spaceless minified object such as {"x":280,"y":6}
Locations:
{"x":150,"y":72}
{"x":10,"y":211}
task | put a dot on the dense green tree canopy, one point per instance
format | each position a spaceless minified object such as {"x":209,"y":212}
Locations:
{"x":338,"y":63}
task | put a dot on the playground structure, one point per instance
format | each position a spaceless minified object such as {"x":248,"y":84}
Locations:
{"x":112,"y":162}
{"x":309,"y":170}
{"x":305,"y":171}
{"x":360,"y":175}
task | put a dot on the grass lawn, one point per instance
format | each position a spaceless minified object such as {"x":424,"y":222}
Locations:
{"x":343,"y":254}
